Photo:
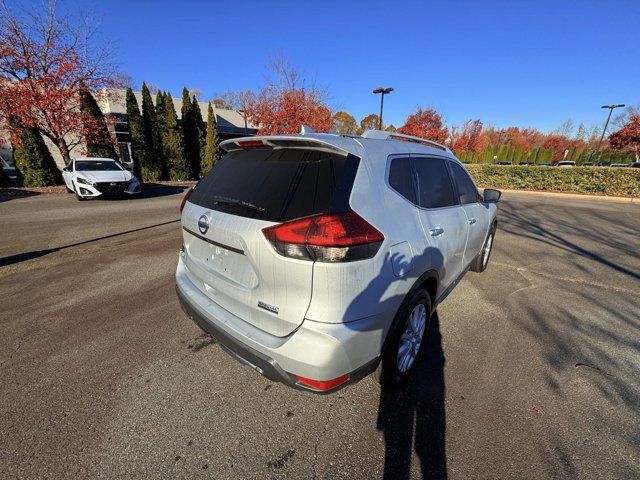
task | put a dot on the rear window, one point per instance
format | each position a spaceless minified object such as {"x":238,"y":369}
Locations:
{"x":273,"y":185}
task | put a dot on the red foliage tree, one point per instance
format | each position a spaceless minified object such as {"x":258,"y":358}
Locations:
{"x":44,"y":63}
{"x":287,"y":103}
{"x":468,"y":137}
{"x":425,"y":124}
{"x":278,"y":111}
{"x":559,"y":143}
{"x":628,"y":135}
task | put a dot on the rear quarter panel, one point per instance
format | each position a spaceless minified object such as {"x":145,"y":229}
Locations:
{"x":346,"y":292}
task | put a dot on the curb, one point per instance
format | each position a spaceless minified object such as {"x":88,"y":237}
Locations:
{"x":578,"y":196}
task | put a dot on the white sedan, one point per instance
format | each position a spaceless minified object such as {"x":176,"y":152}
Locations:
{"x":92,"y":177}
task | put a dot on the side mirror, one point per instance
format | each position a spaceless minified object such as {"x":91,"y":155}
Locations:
{"x":491,"y":195}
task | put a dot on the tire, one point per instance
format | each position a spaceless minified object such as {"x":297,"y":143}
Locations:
{"x":404,"y":343}
{"x":481,"y":262}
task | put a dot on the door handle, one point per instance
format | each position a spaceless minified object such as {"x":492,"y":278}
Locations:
{"x":435,"y":231}
{"x":472,"y":221}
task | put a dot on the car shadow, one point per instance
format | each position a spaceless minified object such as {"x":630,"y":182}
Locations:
{"x":7,"y":194}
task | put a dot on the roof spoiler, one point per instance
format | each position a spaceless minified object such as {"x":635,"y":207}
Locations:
{"x":278,"y":142}
{"x":384,"y":135}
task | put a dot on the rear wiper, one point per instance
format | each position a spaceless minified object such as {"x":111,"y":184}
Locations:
{"x":234,"y":201}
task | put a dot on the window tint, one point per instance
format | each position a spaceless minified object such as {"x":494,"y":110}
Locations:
{"x":401,"y":178}
{"x":274,"y":185}
{"x":434,"y":186}
{"x":466,"y":189}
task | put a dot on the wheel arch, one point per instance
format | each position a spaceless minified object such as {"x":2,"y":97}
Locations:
{"x":429,"y":281}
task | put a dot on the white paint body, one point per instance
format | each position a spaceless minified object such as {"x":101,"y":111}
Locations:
{"x":332,"y":318}
{"x":93,"y":183}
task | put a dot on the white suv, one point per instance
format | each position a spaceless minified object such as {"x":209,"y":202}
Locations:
{"x":314,"y":257}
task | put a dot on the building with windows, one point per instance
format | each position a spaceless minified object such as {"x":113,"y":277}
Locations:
{"x":230,"y":123}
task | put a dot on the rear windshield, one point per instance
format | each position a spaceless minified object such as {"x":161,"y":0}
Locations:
{"x":273,"y":185}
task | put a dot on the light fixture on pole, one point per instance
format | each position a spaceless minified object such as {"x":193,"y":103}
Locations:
{"x":611,"y":109}
{"x":382,"y":91}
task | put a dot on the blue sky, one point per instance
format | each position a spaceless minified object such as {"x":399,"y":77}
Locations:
{"x":526,"y":63}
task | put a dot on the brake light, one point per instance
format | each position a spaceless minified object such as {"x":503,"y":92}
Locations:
{"x":333,"y":237}
{"x":185,"y":198}
{"x":322,"y":385}
{"x":251,"y":143}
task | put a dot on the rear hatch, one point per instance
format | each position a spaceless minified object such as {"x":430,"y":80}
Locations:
{"x":226,"y":253}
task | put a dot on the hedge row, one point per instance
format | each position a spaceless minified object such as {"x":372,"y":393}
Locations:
{"x":594,"y":180}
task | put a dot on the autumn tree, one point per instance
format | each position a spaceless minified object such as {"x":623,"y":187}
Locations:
{"x":287,"y":103}
{"x":628,"y":135}
{"x":345,"y":123}
{"x":151,"y":165}
{"x":44,"y":62}
{"x":370,"y":122}
{"x":391,"y":128}
{"x":559,"y":144}
{"x":468,"y":137}
{"x":190,"y":133}
{"x":212,"y":149}
{"x":426,"y":124}
{"x":98,"y":141}
{"x":33,"y":160}
{"x":140,"y":152}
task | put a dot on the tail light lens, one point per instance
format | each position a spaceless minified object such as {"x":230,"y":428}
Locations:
{"x":333,"y":237}
{"x":185,"y":198}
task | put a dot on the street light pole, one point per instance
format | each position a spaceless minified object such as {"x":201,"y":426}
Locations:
{"x":611,"y":108}
{"x":382,"y":92}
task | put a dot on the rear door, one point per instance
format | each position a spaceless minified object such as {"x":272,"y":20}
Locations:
{"x":477,"y":213}
{"x":443,"y":220}
{"x":227,"y":255}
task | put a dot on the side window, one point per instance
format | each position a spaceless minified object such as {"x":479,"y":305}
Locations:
{"x":434,"y":185}
{"x":467,"y":191}
{"x":401,"y":178}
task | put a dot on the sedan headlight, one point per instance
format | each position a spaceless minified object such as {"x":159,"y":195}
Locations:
{"x":83,"y":181}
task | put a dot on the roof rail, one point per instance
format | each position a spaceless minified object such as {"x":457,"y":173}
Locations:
{"x":384,"y":135}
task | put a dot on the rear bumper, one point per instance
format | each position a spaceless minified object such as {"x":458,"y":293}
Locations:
{"x":314,"y":350}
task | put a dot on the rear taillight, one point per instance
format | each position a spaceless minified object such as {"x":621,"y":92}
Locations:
{"x":332,"y":237}
{"x":185,"y":198}
{"x":321,"y":385}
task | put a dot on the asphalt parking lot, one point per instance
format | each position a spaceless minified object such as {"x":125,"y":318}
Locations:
{"x":532,"y":369}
